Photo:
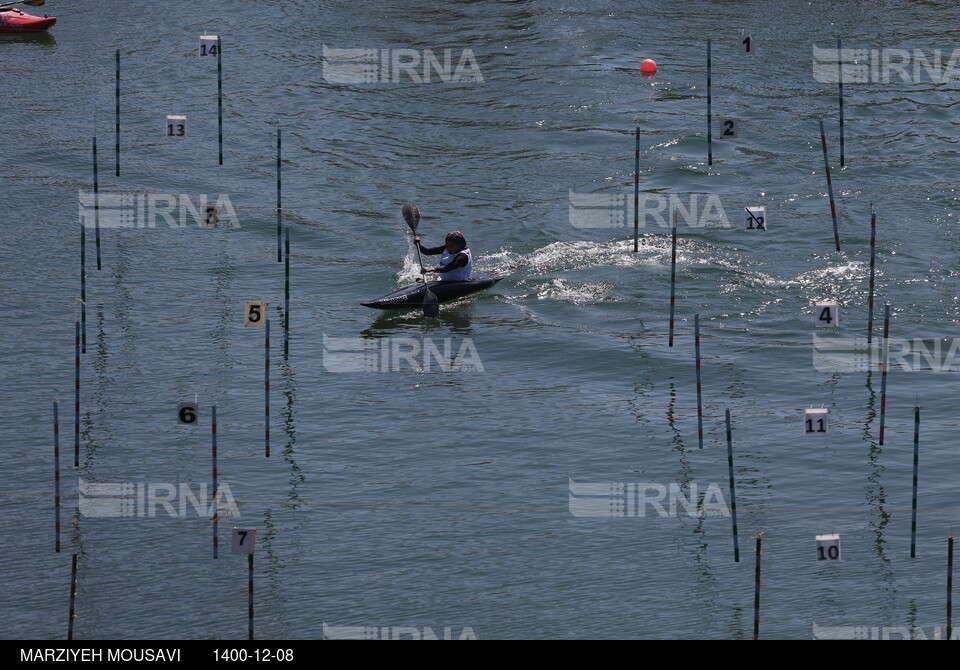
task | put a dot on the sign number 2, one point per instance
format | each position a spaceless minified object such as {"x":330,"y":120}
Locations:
{"x":729,"y":129}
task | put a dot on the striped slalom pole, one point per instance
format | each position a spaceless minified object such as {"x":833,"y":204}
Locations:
{"x":916,"y":472}
{"x":250,"y":597}
{"x":266,"y":387}
{"x":709,"y":107}
{"x":756,"y":588}
{"x":96,"y":201}
{"x":279,"y":199}
{"x":73,"y":584}
{"x":696,"y":346}
{"x":673,"y":275}
{"x":826,"y":169}
{"x":117,"y":116}
{"x":733,"y":491}
{"x":840,"y":93}
{"x":220,"y":97}
{"x":873,"y":272}
{"x":216,"y":510}
{"x":56,"y":468}
{"x":636,"y":192}
{"x":286,"y":293}
{"x":949,"y":631}
{"x":883,"y":374}
{"x":83,"y":287}
{"x":76,"y":399}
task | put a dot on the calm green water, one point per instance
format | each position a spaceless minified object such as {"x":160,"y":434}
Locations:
{"x":440,"y":498}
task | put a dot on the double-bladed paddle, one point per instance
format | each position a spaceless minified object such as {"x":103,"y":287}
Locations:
{"x":32,"y":3}
{"x":431,"y":306}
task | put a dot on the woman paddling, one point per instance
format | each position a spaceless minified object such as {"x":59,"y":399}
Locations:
{"x":456,"y":263}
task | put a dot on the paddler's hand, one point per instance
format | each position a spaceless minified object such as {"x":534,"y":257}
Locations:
{"x":416,"y":238}
{"x":428,"y":269}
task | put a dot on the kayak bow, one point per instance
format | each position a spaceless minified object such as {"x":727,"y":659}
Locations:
{"x":15,"y":21}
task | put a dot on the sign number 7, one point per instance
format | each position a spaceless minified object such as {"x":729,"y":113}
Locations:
{"x":244,"y":540}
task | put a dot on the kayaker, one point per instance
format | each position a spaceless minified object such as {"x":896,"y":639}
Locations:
{"x":456,"y":263}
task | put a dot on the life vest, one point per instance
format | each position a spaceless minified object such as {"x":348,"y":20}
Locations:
{"x":457,"y":274}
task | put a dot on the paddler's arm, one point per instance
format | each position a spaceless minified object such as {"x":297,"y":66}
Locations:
{"x":459,"y":261}
{"x":431,"y":251}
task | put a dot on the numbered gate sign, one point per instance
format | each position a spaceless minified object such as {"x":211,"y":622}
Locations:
{"x":729,"y":129}
{"x":211,"y":217}
{"x":244,"y":541}
{"x":176,"y":126}
{"x":209,"y":45}
{"x":187,"y":413}
{"x":828,"y":548}
{"x":828,"y":314}
{"x":254,"y":314}
{"x":815,"y":421}
{"x":755,"y":219}
{"x":747,"y":46}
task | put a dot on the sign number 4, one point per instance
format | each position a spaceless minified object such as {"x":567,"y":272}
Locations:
{"x":828,"y":314}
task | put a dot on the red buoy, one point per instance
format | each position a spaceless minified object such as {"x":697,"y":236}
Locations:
{"x":648,"y":66}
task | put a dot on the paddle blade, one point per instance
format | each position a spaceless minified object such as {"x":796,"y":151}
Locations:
{"x":35,"y":3}
{"x":412,"y":216}
{"x":431,"y":306}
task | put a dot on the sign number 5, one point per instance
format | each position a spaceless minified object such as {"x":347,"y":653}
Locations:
{"x":253,"y":314}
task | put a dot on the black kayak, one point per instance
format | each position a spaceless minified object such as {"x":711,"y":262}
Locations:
{"x":410,"y":297}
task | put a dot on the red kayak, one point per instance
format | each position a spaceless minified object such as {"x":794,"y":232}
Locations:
{"x":15,"y":21}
